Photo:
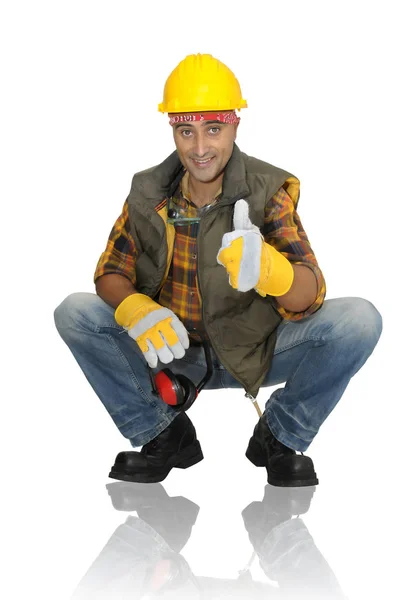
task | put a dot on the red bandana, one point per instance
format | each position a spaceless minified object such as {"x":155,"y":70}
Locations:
{"x":224,"y":117}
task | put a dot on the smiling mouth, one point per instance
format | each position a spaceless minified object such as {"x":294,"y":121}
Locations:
{"x":202,"y":163}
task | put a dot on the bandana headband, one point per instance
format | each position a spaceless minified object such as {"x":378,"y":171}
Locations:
{"x":224,"y":117}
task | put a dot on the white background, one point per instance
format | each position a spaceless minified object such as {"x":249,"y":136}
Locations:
{"x":80,"y":83}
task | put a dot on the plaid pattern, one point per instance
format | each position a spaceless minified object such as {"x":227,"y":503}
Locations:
{"x":120,"y":253}
{"x":180,"y":291}
{"x":282,"y":229}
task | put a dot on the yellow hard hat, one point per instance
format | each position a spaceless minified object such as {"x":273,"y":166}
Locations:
{"x":201,"y":83}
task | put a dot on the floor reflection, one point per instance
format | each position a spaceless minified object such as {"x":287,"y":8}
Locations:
{"x":142,"y":558}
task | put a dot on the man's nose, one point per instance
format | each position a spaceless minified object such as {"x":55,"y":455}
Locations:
{"x":201,"y":145}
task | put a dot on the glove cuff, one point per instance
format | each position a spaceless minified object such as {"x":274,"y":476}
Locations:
{"x":277,"y":273}
{"x":133,"y":308}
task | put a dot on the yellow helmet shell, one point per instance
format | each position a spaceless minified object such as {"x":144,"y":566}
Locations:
{"x":201,"y":83}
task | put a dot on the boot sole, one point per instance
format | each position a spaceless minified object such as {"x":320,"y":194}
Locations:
{"x":187,"y":458}
{"x":274,"y":479}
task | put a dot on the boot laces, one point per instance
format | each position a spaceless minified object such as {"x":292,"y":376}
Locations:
{"x":150,"y":447}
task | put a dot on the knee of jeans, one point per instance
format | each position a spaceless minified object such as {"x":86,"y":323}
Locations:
{"x":69,"y":315}
{"x":362,"y":320}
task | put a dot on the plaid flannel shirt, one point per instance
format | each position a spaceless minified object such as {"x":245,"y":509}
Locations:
{"x":180,"y":293}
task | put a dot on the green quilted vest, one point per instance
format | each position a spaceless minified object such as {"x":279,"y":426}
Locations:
{"x":241,"y":326}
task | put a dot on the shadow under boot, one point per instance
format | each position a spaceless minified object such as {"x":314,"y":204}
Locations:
{"x":285,"y":548}
{"x":171,"y":517}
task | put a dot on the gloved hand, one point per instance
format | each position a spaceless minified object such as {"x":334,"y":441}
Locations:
{"x":158,"y":332}
{"x":251,"y":262}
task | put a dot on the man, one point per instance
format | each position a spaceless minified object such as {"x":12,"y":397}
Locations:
{"x":209,"y":245}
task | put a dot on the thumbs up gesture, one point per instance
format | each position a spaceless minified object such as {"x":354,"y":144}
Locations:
{"x":251,"y":263}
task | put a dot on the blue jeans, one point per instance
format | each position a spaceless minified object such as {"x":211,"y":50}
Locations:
{"x":316,"y":357}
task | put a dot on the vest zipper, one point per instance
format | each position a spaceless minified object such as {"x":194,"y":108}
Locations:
{"x":234,"y":199}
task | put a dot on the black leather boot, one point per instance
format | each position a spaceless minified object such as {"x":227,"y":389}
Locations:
{"x":285,"y":468}
{"x":176,"y":446}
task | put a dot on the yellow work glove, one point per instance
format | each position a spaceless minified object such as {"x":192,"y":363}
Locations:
{"x":250,"y":262}
{"x":158,"y":332}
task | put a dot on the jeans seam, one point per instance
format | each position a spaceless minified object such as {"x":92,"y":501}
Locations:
{"x":302,"y":341}
{"x":285,"y":435}
{"x":94,"y":328}
{"x":143,"y":438}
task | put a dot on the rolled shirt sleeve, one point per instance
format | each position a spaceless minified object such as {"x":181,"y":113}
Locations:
{"x":283,"y":230}
{"x":120,"y":253}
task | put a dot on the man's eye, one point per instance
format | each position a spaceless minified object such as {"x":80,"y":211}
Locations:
{"x":186,"y":132}
{"x":214,"y":130}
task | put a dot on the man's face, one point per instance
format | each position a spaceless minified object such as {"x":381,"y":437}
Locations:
{"x":204,"y":147}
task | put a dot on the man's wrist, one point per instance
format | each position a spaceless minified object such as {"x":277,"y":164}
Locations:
{"x":278,"y":273}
